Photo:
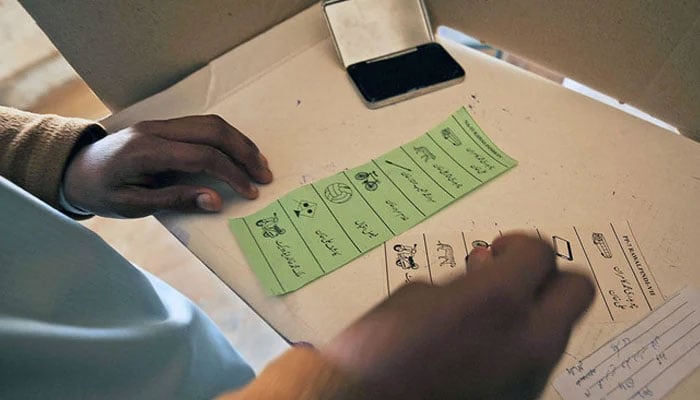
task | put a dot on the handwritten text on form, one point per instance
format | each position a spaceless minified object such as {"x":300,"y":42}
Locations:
{"x":644,"y":362}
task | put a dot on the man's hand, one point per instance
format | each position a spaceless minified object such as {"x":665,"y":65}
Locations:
{"x":493,"y":334}
{"x":130,"y":173}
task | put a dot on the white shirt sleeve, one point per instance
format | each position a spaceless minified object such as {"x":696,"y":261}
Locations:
{"x":77,"y":320}
{"x":63,"y":202}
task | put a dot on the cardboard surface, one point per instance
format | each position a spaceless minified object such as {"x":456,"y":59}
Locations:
{"x":579,"y":161}
{"x":643,"y":53}
{"x":127,"y":50}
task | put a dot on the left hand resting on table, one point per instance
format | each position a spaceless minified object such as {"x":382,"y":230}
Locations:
{"x":129,"y":173}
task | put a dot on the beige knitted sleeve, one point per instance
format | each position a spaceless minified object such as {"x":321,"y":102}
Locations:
{"x":35,"y":149}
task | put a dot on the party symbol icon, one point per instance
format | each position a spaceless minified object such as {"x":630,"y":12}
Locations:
{"x":305,"y":208}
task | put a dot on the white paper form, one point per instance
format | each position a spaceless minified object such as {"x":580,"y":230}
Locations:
{"x":607,"y":252}
{"x":644,"y":362}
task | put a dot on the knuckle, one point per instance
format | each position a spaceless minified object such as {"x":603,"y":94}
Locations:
{"x":199,"y":159}
{"x":134,"y":146}
{"x":226,"y":134}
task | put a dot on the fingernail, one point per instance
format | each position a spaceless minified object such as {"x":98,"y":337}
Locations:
{"x":206,"y":202}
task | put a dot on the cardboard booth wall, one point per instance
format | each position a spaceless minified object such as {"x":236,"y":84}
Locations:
{"x":643,"y":53}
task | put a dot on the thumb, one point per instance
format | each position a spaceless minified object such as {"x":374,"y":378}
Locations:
{"x":174,"y":198}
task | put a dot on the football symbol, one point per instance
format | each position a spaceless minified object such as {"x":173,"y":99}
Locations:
{"x":337,"y":193}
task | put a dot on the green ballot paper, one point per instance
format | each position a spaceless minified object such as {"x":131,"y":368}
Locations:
{"x":320,"y":227}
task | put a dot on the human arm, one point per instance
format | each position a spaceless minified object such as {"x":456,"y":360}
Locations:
{"x":34,"y":149}
{"x":130,"y":173}
{"x":493,"y":334}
